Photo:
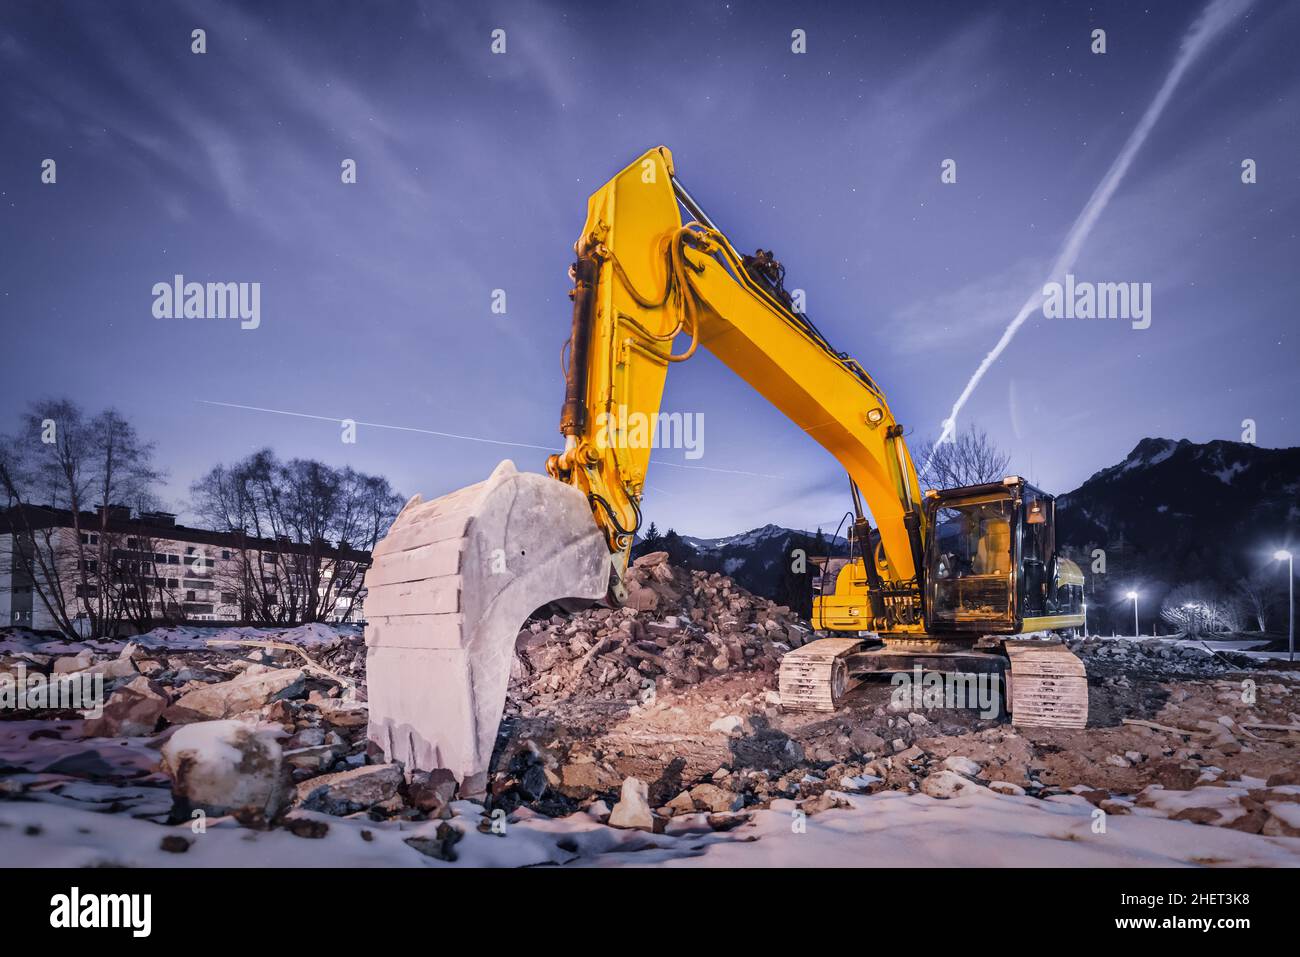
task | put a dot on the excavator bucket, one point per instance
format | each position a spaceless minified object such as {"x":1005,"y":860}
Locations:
{"x":450,"y":586}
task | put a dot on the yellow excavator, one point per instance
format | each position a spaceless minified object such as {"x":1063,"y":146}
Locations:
{"x":951,"y":580}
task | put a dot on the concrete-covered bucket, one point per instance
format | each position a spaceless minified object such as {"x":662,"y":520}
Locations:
{"x":450,"y":587}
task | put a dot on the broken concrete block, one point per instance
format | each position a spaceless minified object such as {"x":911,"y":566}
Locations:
{"x":248,"y":692}
{"x":633,"y":808}
{"x":347,"y":791}
{"x":131,"y":711}
{"x":945,"y":784}
{"x":227,"y":767}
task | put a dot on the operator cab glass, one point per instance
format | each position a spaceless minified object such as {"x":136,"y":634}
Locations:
{"x":972,"y":577}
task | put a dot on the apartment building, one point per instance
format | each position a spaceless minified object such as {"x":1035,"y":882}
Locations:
{"x":147,"y":568}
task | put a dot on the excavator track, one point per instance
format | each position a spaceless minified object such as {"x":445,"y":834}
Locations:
{"x":816,"y":676}
{"x":1047,"y":685}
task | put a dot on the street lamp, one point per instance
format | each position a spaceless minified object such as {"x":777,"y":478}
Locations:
{"x":1136,"y":631}
{"x":1282,"y":555}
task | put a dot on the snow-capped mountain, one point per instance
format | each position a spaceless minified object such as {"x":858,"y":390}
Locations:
{"x":757,"y":559}
{"x":1181,"y":510}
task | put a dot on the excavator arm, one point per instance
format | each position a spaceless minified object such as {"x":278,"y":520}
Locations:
{"x":648,"y":292}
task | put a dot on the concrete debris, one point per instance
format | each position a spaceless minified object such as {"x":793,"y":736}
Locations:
{"x":632,"y":809}
{"x":346,"y":792}
{"x":685,"y":627}
{"x":132,"y":710}
{"x":226,"y":767}
{"x":248,"y":692}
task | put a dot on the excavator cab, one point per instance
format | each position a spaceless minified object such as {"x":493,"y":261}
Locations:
{"x":991,"y":563}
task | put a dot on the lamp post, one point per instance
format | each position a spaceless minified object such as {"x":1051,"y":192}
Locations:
{"x":1085,"y":619}
{"x":1283,"y":555}
{"x":1136,"y":632}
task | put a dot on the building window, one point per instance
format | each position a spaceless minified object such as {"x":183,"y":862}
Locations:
{"x":225,"y":554}
{"x":229,"y":597}
{"x":173,"y":559}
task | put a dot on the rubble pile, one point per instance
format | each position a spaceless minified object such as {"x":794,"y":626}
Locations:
{"x":1150,"y":657}
{"x":678,"y":628}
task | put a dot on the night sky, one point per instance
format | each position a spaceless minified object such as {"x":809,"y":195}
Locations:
{"x":473,"y":175}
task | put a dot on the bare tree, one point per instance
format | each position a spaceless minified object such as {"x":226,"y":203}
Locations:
{"x":1260,"y":593}
{"x":299,"y":510}
{"x":63,"y":460}
{"x":1201,"y":608}
{"x":969,"y":458}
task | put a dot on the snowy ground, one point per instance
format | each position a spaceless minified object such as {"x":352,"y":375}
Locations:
{"x":976,"y":829}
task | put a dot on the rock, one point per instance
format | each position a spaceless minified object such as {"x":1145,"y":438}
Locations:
{"x":306,"y":738}
{"x":867,"y":742}
{"x":710,"y":797}
{"x":113,"y":668}
{"x":343,"y":714}
{"x":962,"y":765}
{"x":729,"y":725}
{"x":823,"y":802}
{"x":70,"y":663}
{"x":1119,"y":761}
{"x":432,"y":791}
{"x":1006,"y":787}
{"x":131,"y":711}
{"x":346,"y":792}
{"x":633,"y":808}
{"x":682,"y":804}
{"x":174,"y":844}
{"x":440,"y":846}
{"x":1289,"y":776}
{"x":945,"y":784}
{"x":307,"y":827}
{"x":1198,"y":815}
{"x":227,"y":767}
{"x":248,"y":692}
{"x":316,"y":758}
{"x":582,"y":778}
{"x":916,"y":720}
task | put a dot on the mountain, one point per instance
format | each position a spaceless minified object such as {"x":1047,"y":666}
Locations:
{"x":1179,"y":511}
{"x":759,"y":559}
